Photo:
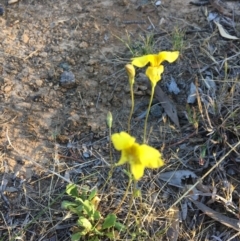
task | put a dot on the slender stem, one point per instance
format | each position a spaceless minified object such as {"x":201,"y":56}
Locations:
{"x":148,"y":110}
{"x":125,"y":195}
{"x":131,"y":200}
{"x":111,"y":159}
{"x":131,"y":112}
{"x":110,"y":147}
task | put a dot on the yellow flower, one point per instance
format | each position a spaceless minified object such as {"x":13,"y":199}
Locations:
{"x":155,"y":69}
{"x":138,"y":156}
{"x":131,"y":73}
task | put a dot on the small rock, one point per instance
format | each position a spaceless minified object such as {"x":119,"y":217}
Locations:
{"x":67,"y":79}
{"x":1,"y":10}
{"x":89,"y":69}
{"x":64,"y":66}
{"x":83,"y":44}
{"x":158,"y":3}
{"x":39,"y":82}
{"x":7,"y":88}
{"x":25,"y":38}
{"x":71,"y":60}
{"x":92,"y":62}
{"x":172,"y":87}
{"x":43,"y":54}
{"x":156,"y":111}
{"x":37,"y":98}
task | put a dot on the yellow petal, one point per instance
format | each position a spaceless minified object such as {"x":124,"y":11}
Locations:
{"x":141,"y":61}
{"x":150,"y":157}
{"x":137,"y":170}
{"x":168,"y":56}
{"x":123,"y":159}
{"x":154,"y":74}
{"x":122,"y":141}
{"x":154,"y":60}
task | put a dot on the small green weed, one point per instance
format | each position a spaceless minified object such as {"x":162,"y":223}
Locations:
{"x":193,"y":116}
{"x":143,"y":46}
{"x":90,"y":224}
{"x":178,"y":37}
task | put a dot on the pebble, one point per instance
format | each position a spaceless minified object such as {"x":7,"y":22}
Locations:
{"x":25,"y":38}
{"x":1,"y":10}
{"x":156,"y":111}
{"x":7,"y":88}
{"x":39,"y":82}
{"x":67,"y":79}
{"x":83,"y":44}
{"x":64,"y":66}
{"x":43,"y":54}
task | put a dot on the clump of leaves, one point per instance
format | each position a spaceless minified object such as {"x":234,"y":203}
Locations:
{"x":91,"y":225}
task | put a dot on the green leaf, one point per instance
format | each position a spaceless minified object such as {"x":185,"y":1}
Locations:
{"x":88,"y":207}
{"x":78,"y":210}
{"x":109,"y":221}
{"x":76,"y":236}
{"x":92,"y":194}
{"x":120,"y":226}
{"x":97,"y":232}
{"x":110,"y":235}
{"x":96,"y":215}
{"x":85,"y":223}
{"x":68,"y":204}
{"x":94,"y":239}
{"x":72,"y":190}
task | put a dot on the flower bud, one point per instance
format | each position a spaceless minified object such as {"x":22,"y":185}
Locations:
{"x":109,"y":119}
{"x":131,"y":73}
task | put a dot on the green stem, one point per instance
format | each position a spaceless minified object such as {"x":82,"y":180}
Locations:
{"x":131,"y":201}
{"x":110,"y":147}
{"x":111,"y":160}
{"x":131,"y":112}
{"x":124,"y":197}
{"x":148,"y":110}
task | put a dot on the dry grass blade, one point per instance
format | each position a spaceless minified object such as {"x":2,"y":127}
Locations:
{"x":229,"y":222}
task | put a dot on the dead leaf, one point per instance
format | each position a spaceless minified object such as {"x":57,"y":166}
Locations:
{"x":223,"y":32}
{"x":175,"y":178}
{"x":192,"y":94}
{"x":167,"y":104}
{"x":173,"y":230}
{"x":229,"y":222}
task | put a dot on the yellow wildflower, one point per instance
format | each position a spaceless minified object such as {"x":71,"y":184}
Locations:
{"x":155,"y":69}
{"x":138,"y":156}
